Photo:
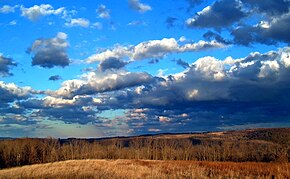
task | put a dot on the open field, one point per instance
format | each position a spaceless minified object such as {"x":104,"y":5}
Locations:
{"x":148,"y":169}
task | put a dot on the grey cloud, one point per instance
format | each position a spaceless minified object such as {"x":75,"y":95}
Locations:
{"x":222,"y":13}
{"x":111,"y":63}
{"x":11,"y":92}
{"x":17,"y":119}
{"x":182,"y":63}
{"x":51,"y":52}
{"x":209,"y":35}
{"x":5,"y":65}
{"x":270,"y":7}
{"x":170,"y":21}
{"x":268,"y":33}
{"x":54,"y":78}
{"x":153,"y":61}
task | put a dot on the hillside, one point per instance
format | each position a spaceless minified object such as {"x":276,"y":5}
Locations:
{"x":253,"y":145}
{"x":148,"y":169}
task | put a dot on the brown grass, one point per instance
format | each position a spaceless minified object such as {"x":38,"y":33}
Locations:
{"x":148,"y":169}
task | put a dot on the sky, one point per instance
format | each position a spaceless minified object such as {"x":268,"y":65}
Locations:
{"x":104,"y":68}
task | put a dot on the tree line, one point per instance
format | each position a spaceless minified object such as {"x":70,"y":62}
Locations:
{"x":27,"y":151}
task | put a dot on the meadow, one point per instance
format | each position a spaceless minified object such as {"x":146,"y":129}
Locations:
{"x":148,"y":169}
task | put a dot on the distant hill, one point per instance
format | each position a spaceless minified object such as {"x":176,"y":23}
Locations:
{"x":251,"y":145}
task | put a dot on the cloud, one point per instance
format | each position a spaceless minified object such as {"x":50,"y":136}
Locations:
{"x":182,"y":63}
{"x":103,"y":12}
{"x":170,"y":21}
{"x":222,"y":13}
{"x":14,"y":22}
{"x":55,"y":78}
{"x":16,"y":119}
{"x":11,"y":92}
{"x":5,"y":65}
{"x":209,"y":35}
{"x":96,"y":82}
{"x":35,"y":12}
{"x":5,"y":9}
{"x":136,"y":23}
{"x":271,"y":28}
{"x":209,"y":94}
{"x":138,"y":6}
{"x":51,"y":52}
{"x":98,"y":25}
{"x":269,"y":7}
{"x":266,"y":32}
{"x":111,"y":63}
{"x":68,"y":110}
{"x":78,"y":22}
{"x":152,"y":49}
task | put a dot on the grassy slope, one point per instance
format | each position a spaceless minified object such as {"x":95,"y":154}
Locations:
{"x":148,"y":169}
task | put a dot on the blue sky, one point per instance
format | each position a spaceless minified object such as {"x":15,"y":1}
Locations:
{"x":129,"y":67}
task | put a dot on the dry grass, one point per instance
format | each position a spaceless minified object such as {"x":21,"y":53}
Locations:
{"x":148,"y":169}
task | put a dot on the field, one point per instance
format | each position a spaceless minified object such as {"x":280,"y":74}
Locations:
{"x":148,"y":169}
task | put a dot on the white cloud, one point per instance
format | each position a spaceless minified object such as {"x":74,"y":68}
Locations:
{"x":268,"y":68}
{"x":103,"y":12}
{"x":13,"y":89}
{"x":7,"y":9}
{"x":210,"y":68}
{"x":285,"y":58}
{"x":98,"y":25}
{"x":153,"y":49}
{"x":95,"y":82}
{"x":78,"y":22}
{"x":140,"y":7}
{"x":14,"y":22}
{"x":35,"y":12}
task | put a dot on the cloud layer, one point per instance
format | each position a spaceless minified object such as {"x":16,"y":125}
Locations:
{"x":153,"y":49}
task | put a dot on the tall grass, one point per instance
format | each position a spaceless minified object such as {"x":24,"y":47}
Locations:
{"x":148,"y":169}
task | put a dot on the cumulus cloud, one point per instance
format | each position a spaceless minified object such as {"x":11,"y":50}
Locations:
{"x":11,"y":92}
{"x":138,"y":6}
{"x":50,"y":52}
{"x":209,"y":93}
{"x":215,"y":93}
{"x":95,"y":82}
{"x":74,"y":110}
{"x":35,"y":12}
{"x":5,"y":65}
{"x":78,"y":22}
{"x":54,"y":78}
{"x":153,"y":49}
{"x":267,"y":32}
{"x":271,"y":28}
{"x":221,"y":14}
{"x":5,"y":9}
{"x":103,"y":12}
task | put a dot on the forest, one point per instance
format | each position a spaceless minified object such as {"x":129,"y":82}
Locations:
{"x":259,"y":145}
